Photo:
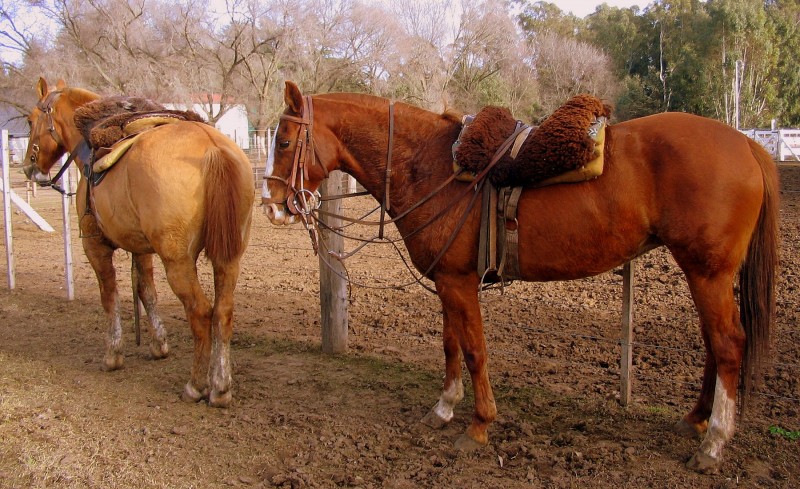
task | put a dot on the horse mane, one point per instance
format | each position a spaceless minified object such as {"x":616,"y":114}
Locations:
{"x":376,"y":102}
{"x":79,"y":96}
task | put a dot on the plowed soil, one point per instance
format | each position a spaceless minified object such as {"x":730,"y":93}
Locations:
{"x":301,"y":418}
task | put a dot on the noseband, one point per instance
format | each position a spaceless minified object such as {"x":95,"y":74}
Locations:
{"x":298,"y":198}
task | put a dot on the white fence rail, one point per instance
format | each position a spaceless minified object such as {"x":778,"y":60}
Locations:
{"x":782,"y":144}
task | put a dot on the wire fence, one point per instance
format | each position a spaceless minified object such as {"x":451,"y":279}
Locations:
{"x":605,"y":368}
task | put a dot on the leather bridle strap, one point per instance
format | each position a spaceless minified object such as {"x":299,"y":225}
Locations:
{"x":385,"y":206}
{"x":46,"y":106}
{"x":81,"y":146}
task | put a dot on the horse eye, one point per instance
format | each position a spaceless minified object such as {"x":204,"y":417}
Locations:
{"x":283,"y":144}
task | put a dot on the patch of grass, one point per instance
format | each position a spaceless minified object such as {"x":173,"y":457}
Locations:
{"x":791,"y":435}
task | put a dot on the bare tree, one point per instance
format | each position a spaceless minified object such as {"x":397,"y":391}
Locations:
{"x":422,"y":73}
{"x":566,"y":67}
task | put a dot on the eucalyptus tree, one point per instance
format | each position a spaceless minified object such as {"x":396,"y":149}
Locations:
{"x":784,"y":15}
{"x":742,"y":35}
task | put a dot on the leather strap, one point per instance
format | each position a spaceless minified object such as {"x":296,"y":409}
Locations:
{"x":509,"y":265}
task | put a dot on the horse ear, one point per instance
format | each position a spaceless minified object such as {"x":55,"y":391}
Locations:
{"x":41,"y":87}
{"x":61,"y":85}
{"x":293,"y":97}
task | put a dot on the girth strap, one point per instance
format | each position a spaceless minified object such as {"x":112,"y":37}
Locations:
{"x":499,"y":234}
{"x":509,"y":265}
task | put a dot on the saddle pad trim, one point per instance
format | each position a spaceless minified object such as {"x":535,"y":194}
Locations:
{"x":115,"y":154}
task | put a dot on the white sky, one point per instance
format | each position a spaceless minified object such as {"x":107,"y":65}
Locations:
{"x":582,"y":8}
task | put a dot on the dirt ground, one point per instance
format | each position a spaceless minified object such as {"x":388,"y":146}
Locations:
{"x":301,"y":418}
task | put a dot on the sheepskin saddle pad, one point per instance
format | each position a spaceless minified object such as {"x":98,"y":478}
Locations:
{"x":110,"y":124}
{"x":565,"y":143}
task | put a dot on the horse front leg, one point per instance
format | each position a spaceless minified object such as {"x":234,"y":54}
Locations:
{"x":459,"y":296}
{"x":101,"y":257}
{"x":225,"y":277}
{"x":453,"y":389}
{"x":159,"y":347}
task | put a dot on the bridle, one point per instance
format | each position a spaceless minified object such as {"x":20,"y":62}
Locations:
{"x":305,"y":151}
{"x":46,"y":107}
{"x":299,"y":200}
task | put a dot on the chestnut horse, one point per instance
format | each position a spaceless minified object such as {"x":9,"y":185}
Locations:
{"x":181,"y":188}
{"x":698,"y":187}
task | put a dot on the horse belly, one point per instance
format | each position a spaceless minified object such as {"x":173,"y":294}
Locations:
{"x":145,"y":213}
{"x":579,"y":240}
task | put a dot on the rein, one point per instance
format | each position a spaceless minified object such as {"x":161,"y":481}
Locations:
{"x":299,"y":168}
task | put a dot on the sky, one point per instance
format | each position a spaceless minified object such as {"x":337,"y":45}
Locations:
{"x":582,"y":8}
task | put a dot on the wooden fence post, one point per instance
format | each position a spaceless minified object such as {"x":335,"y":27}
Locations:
{"x":627,"y":334}
{"x":332,"y":287}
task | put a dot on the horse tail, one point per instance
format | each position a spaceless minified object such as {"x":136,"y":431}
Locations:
{"x":225,"y":182}
{"x":757,"y":279}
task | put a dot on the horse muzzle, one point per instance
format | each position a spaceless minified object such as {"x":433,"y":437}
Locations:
{"x":277,"y":214}
{"x":33,"y":173}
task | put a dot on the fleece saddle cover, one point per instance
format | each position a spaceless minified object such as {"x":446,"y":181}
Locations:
{"x":565,"y":141}
{"x":110,"y":125}
{"x":566,"y":147}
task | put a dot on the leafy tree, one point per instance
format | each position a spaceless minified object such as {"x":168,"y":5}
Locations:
{"x":784,"y":15}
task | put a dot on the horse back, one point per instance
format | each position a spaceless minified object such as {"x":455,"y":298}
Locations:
{"x":672,"y":179}
{"x":157,"y":190}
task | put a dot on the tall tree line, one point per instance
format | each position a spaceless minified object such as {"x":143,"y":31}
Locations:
{"x":671,"y":55}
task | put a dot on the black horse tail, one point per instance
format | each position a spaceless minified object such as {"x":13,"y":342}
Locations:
{"x":757,"y":280}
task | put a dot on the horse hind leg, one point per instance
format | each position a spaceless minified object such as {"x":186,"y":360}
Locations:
{"x":695,"y":423}
{"x":182,"y":278}
{"x":101,"y":258}
{"x":725,"y":341}
{"x":159,"y":347}
{"x":225,"y":278}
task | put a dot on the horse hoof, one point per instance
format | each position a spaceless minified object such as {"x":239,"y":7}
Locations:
{"x":218,"y":400}
{"x":705,"y":464}
{"x":112,"y":361}
{"x":159,"y":350}
{"x":466,"y":443}
{"x":190,"y":394}
{"x":433,"y":420}
{"x":690,"y":430}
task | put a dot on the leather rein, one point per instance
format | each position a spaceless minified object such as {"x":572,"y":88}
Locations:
{"x":305,"y":152}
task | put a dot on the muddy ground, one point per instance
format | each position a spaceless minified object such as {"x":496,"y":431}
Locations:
{"x":301,"y":418}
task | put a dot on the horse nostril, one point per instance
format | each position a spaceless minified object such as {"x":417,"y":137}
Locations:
{"x":272,"y":212}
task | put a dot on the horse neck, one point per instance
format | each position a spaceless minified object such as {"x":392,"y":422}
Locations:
{"x":71,"y":99}
{"x":420,"y":155}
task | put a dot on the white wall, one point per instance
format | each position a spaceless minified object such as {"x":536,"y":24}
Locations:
{"x":233,"y":124}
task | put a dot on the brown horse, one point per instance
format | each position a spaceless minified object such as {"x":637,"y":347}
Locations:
{"x":694,"y":185}
{"x":181,"y":188}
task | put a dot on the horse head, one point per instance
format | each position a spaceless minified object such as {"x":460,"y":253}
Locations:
{"x":52,"y":129}
{"x":45,"y":145}
{"x":290,"y":190}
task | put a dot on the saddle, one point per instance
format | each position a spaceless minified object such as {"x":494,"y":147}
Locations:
{"x":110,"y":126}
{"x":566,"y":147}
